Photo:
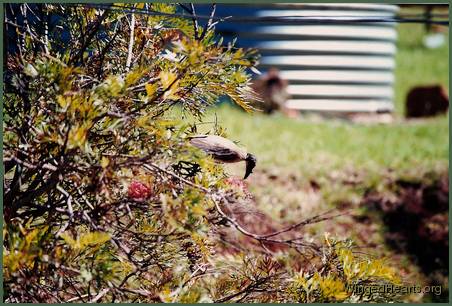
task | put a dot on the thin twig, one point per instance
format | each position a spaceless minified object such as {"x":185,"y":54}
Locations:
{"x":77,"y":298}
{"x":195,"y":20}
{"x":131,"y":42}
{"x":99,"y":295}
{"x":209,"y":22}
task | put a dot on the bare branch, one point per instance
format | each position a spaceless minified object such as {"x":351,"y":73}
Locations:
{"x":131,"y":42}
{"x":209,"y":25}
{"x":99,"y":295}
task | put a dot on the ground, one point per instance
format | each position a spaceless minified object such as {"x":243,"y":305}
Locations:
{"x":391,"y":178}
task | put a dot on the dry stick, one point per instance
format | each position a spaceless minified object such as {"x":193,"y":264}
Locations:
{"x":209,"y":23}
{"x":317,"y":218}
{"x":131,"y":42}
{"x":202,"y":269}
{"x":192,"y":12}
{"x":91,"y":35}
{"x":28,"y":165}
{"x":77,"y":298}
{"x":69,"y":210}
{"x":142,"y":85}
{"x":46,"y":33}
{"x":99,"y":295}
{"x":251,"y":286}
{"x":84,"y":198}
{"x":142,"y":292}
{"x":195,"y":20}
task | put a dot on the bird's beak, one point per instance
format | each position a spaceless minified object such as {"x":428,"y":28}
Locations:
{"x":250,"y":164}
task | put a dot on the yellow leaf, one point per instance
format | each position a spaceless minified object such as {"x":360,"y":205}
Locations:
{"x":68,"y":239}
{"x":239,"y":77}
{"x":332,"y":288}
{"x":151,"y":89}
{"x":167,"y":78}
{"x":104,"y":162}
{"x":199,"y":210}
{"x":171,"y":93}
{"x":77,"y":137}
{"x":62,"y":101}
{"x":165,"y":294}
{"x":92,"y":239}
{"x":167,"y":122}
{"x":133,"y":77}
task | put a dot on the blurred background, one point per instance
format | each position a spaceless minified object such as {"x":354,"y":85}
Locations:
{"x":354,"y":116}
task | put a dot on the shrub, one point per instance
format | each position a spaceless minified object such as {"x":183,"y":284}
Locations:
{"x":104,"y":198}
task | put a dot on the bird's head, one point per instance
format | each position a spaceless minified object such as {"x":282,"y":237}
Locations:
{"x":250,"y":164}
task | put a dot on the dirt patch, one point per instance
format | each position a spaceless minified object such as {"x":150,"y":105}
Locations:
{"x":404,"y":221}
{"x":416,"y":221}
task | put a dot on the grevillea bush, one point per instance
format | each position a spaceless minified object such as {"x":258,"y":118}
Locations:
{"x":105,"y":201}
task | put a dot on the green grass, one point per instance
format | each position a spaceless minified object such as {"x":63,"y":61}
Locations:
{"x":331,"y":152}
{"x":316,"y":148}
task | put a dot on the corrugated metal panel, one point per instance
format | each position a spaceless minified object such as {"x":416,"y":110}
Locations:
{"x":322,"y":47}
{"x":339,"y":66}
{"x":344,"y":91}
{"x":322,"y":32}
{"x":327,"y":61}
{"x":331,"y":77}
{"x":340,"y":106}
{"x":313,"y":13}
{"x":368,"y":7}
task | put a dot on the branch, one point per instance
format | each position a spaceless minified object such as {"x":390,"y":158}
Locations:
{"x":315,"y":219}
{"x":28,"y":165}
{"x":209,"y":23}
{"x":99,"y":295}
{"x":192,"y":12}
{"x":131,"y":42}
{"x":217,"y":197}
{"x":246,"y":290}
{"x":77,"y":298}
{"x":70,"y":210}
{"x":195,"y":21}
{"x":90,"y":36}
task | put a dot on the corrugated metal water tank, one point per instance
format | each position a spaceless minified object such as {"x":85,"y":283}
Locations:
{"x":330,"y":65}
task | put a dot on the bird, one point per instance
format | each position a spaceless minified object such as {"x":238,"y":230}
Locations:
{"x":224,"y":150}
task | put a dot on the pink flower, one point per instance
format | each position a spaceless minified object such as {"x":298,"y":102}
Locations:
{"x":138,"y":191}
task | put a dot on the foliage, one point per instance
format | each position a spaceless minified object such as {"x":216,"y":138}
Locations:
{"x":104,"y":198}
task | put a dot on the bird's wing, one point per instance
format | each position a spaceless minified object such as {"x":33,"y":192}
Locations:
{"x":221,"y":148}
{"x":210,"y":147}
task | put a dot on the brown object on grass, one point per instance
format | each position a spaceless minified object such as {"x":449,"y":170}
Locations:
{"x":426,"y":101}
{"x":273,"y":91}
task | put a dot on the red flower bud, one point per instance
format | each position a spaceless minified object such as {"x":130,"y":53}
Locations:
{"x":138,"y":191}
